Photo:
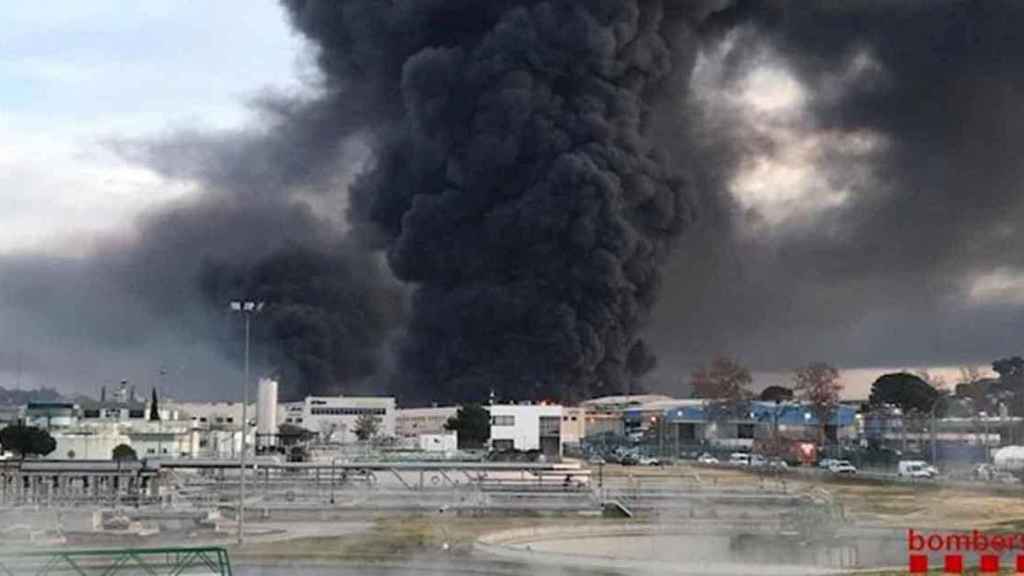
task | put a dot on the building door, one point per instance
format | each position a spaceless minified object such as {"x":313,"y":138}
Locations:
{"x":551,"y":447}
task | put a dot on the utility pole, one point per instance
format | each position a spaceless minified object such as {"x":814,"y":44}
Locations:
{"x":247,"y":308}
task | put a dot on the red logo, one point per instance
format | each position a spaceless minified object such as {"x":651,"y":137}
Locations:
{"x":987,"y":547}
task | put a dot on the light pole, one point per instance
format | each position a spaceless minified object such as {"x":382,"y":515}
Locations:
{"x":934,"y":431}
{"x":247,"y":308}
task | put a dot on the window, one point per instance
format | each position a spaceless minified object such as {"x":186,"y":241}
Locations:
{"x":550,"y":426}
{"x":503,"y":420}
{"x":231,"y":420}
{"x":745,"y":431}
{"x":345,"y":411}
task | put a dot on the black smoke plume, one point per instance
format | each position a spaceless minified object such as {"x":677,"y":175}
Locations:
{"x":916,"y":113}
{"x":512,"y":182}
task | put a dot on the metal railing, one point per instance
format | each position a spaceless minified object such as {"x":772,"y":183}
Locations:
{"x":126,"y":561}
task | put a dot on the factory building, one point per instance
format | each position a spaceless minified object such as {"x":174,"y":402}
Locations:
{"x":527,"y":427}
{"x":51,"y":415}
{"x":335,"y":418}
{"x":694,"y":423}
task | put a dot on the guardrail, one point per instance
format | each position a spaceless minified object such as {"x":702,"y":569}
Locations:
{"x":108,"y":562}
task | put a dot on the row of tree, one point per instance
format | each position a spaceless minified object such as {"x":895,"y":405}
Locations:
{"x":728,"y":381}
{"x":918,"y":392}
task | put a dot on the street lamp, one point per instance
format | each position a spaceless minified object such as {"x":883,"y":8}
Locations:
{"x":246,"y":308}
{"x":934,"y":428}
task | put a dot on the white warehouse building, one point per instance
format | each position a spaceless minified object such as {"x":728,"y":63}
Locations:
{"x":527,"y":427}
{"x":335,"y":417}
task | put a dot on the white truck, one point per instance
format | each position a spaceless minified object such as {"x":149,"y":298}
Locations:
{"x":916,"y":469}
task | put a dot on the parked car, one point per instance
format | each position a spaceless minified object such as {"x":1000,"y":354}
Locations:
{"x":826,"y":463}
{"x":629,"y":460}
{"x":758,"y":460}
{"x":706,"y":458}
{"x":648,"y":461}
{"x":596,"y":460}
{"x":778,"y":464}
{"x":842,"y":467}
{"x":739,"y":459}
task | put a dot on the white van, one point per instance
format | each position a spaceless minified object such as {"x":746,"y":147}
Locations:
{"x":916,"y":469}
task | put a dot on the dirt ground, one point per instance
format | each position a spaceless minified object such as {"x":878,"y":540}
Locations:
{"x":864,"y":502}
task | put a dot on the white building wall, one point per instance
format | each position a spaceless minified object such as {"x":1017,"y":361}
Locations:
{"x":520,"y":423}
{"x":215,"y":414}
{"x":85,"y":444}
{"x":447,"y":443}
{"x":413,"y":422}
{"x":574,"y":425}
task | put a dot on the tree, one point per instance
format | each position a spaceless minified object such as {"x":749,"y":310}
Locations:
{"x":124,"y":453}
{"x":154,"y":411}
{"x":1009,"y":369}
{"x":27,"y":440}
{"x":776,"y":394}
{"x":817,"y":384}
{"x":724,"y":379}
{"x":366,"y":426}
{"x":909,"y":392}
{"x":472,"y":424}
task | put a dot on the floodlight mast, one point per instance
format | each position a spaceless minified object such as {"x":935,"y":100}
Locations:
{"x":247,"y":308}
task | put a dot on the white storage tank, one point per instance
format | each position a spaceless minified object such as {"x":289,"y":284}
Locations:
{"x":266,"y":410}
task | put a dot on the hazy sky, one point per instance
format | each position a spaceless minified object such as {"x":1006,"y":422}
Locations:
{"x":75,"y":75}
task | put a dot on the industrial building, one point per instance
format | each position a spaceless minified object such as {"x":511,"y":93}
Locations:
{"x":335,"y":418}
{"x":527,"y":427}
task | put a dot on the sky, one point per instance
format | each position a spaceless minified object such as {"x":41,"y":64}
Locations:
{"x":827,"y":231}
{"x":72,"y":80}
{"x":87,"y":72}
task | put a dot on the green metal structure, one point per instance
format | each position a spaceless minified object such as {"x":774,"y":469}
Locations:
{"x":122,"y":562}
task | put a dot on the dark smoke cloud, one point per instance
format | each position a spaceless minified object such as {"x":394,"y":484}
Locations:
{"x":882,"y":278}
{"x":514,"y":184}
{"x":267,"y":222}
{"x":524,"y":168}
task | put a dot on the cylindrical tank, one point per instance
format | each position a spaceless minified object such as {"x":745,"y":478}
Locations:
{"x":266,"y":410}
{"x":1009,"y":459}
